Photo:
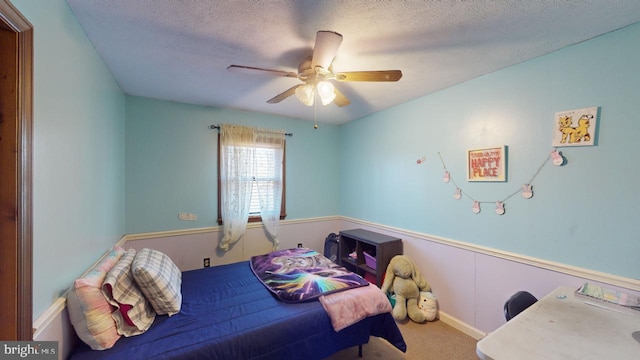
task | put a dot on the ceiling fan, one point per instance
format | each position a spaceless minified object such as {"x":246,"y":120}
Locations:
{"x":316,"y":71}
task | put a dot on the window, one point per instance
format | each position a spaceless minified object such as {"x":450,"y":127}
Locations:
{"x":266,"y":178}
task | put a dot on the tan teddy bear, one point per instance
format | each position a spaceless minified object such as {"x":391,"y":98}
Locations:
{"x":405,"y":280}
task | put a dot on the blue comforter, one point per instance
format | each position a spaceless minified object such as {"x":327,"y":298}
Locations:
{"x":227,"y":313}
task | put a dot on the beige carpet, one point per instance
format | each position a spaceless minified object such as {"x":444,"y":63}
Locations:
{"x":429,"y":341}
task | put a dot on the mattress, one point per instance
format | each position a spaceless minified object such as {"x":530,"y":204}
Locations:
{"x":227,"y":313}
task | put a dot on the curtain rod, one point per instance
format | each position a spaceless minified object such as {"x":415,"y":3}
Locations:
{"x":218,"y":127}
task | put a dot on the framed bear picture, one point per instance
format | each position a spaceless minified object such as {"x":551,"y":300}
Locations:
{"x":575,"y":127}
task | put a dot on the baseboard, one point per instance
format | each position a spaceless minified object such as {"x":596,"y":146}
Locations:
{"x":211,"y":229}
{"x":48,"y":316}
{"x":461,"y":326}
{"x":169,"y":233}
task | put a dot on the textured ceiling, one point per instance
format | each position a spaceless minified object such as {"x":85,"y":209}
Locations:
{"x":179,"y":50}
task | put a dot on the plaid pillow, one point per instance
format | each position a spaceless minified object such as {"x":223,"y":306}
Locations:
{"x":159,"y":279}
{"x":134,"y":314}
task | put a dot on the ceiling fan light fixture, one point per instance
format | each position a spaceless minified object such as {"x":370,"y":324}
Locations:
{"x":326,"y":91}
{"x":305,"y":94}
{"x":315,"y":70}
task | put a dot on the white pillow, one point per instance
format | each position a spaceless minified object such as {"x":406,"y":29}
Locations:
{"x":159,"y":279}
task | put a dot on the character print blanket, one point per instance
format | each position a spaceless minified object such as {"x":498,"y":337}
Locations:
{"x":300,"y":274}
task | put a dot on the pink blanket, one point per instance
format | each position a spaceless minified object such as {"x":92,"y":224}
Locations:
{"x":348,"y":307}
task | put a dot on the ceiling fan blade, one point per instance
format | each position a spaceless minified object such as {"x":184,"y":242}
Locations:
{"x":340,"y":99}
{"x":379,"y":75}
{"x":276,"y":99}
{"x":260,"y":71}
{"x":325,"y":49}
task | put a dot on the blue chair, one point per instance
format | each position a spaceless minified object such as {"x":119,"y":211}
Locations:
{"x":518,"y":303}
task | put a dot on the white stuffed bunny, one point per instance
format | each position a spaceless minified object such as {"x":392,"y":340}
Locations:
{"x":428,"y":305}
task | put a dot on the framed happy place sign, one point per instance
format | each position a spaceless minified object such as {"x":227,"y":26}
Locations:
{"x":487,"y":164}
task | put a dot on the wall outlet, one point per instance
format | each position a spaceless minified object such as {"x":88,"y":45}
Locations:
{"x":187,"y":216}
{"x":299,"y":245}
{"x":206,"y":262}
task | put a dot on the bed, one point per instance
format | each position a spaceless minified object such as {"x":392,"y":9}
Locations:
{"x":228,"y":313}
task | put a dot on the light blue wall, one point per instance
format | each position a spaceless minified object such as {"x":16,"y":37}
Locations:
{"x":78,"y":155}
{"x":172,"y":156}
{"x":583,"y":214}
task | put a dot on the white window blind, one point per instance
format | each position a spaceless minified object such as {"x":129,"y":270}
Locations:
{"x":267,"y":171}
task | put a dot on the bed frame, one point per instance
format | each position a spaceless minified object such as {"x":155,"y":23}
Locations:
{"x":227,"y":313}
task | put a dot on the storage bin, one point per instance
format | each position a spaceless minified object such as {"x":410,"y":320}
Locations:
{"x":370,"y":260}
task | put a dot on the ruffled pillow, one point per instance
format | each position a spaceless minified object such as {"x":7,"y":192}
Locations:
{"x":134,"y":314}
{"x":89,"y":311}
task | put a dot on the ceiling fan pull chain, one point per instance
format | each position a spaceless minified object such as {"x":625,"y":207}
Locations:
{"x":315,"y":114}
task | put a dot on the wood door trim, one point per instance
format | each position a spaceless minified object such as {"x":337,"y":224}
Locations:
{"x":16,"y":22}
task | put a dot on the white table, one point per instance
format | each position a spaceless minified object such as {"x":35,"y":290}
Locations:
{"x":559,"y":326}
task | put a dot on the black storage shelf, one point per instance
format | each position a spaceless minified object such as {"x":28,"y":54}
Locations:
{"x":379,"y":246}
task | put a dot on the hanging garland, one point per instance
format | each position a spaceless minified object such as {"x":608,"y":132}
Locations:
{"x":526,"y":190}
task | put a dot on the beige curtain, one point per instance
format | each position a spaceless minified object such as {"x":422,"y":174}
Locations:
{"x":245,"y":152}
{"x":236,"y":180}
{"x":269,"y":186}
